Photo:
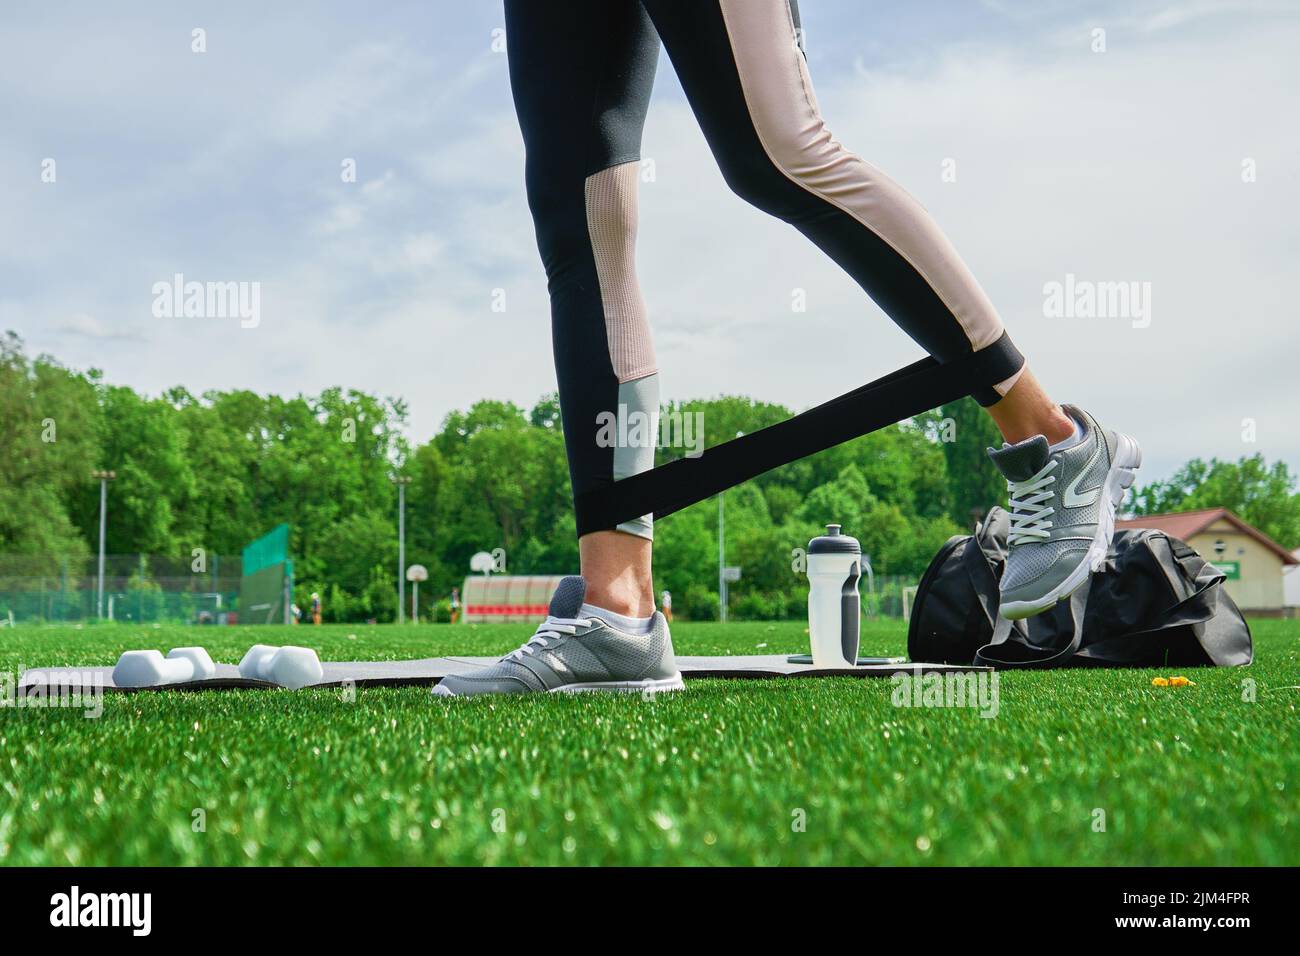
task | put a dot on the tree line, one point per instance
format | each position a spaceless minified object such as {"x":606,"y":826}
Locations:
{"x":214,"y":471}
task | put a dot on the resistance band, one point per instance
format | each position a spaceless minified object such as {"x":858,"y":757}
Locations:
{"x":898,"y":396}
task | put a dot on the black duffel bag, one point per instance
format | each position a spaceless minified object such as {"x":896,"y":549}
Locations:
{"x":1154,"y":603}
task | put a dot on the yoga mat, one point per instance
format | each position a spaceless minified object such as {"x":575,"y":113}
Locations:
{"x":428,"y":671}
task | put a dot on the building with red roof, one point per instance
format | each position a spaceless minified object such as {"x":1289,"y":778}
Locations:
{"x":1253,"y":562}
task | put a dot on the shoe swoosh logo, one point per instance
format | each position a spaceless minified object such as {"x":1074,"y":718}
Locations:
{"x":1073,"y":499}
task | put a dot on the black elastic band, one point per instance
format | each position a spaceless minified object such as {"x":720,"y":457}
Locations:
{"x":896,"y":397}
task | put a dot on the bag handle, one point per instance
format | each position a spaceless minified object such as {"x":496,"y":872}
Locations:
{"x":1002,"y":632}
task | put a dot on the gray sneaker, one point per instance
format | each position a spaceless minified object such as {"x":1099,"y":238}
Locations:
{"x":572,"y":653}
{"x":1062,"y":512}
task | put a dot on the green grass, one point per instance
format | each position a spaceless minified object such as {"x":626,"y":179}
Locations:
{"x":1192,"y":775}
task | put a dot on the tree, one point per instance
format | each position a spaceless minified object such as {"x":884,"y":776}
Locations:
{"x":349,"y":549}
{"x":505,"y":485}
{"x":965,"y":431}
{"x":143,"y":441}
{"x":224,"y":445}
{"x":48,"y":447}
{"x":686,"y":549}
{"x":1262,"y":495}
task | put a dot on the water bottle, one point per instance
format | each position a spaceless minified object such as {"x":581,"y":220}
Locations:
{"x":834,"y":566}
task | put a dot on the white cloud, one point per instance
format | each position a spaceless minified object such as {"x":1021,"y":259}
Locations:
{"x":89,"y":327}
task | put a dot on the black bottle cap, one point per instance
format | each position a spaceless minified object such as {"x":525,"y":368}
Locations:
{"x":832,"y":542}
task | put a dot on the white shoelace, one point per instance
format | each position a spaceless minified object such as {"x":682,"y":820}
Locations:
{"x":550,"y":628}
{"x":1029,"y":514}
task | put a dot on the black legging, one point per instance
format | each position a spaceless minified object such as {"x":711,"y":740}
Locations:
{"x":581,"y":72}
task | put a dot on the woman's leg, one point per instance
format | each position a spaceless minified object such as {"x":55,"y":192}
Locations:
{"x":745,"y":76}
{"x":748,"y":84}
{"x":581,"y":74}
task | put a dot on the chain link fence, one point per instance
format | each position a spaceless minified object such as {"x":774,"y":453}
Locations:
{"x":138,"y":588}
{"x":153,"y":588}
{"x":882,"y":596}
{"x":891,"y":596}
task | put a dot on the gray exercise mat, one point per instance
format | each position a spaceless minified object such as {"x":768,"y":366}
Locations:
{"x":428,"y":671}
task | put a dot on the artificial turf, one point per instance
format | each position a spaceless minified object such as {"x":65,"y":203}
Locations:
{"x":729,"y":772}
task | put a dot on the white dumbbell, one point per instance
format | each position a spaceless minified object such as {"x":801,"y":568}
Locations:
{"x":204,"y":669}
{"x":295,"y":667}
{"x":291,"y":667}
{"x":151,"y":669}
{"x":253,"y":664}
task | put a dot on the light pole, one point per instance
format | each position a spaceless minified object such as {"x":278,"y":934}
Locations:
{"x":104,"y":478}
{"x":722,"y":555}
{"x":401,"y":481}
{"x":722,"y":561}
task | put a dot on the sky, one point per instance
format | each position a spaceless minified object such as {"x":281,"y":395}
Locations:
{"x":1144,"y":143}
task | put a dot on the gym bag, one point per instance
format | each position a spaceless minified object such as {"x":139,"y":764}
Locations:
{"x":1154,"y":603}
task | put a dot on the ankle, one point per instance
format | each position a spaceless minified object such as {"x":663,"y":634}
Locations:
{"x":1026,"y":410}
{"x":1060,"y":427}
{"x":629,"y":602}
{"x":1055,"y":425}
{"x":1074,"y":435}
{"x":617,"y":569}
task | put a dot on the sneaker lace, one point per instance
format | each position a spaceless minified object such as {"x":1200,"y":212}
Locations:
{"x":550,"y":629}
{"x":1029,"y":511}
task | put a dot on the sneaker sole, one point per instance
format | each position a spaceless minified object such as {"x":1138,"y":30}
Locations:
{"x":650,"y":685}
{"x":1122,"y":474}
{"x":647,"y":686}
